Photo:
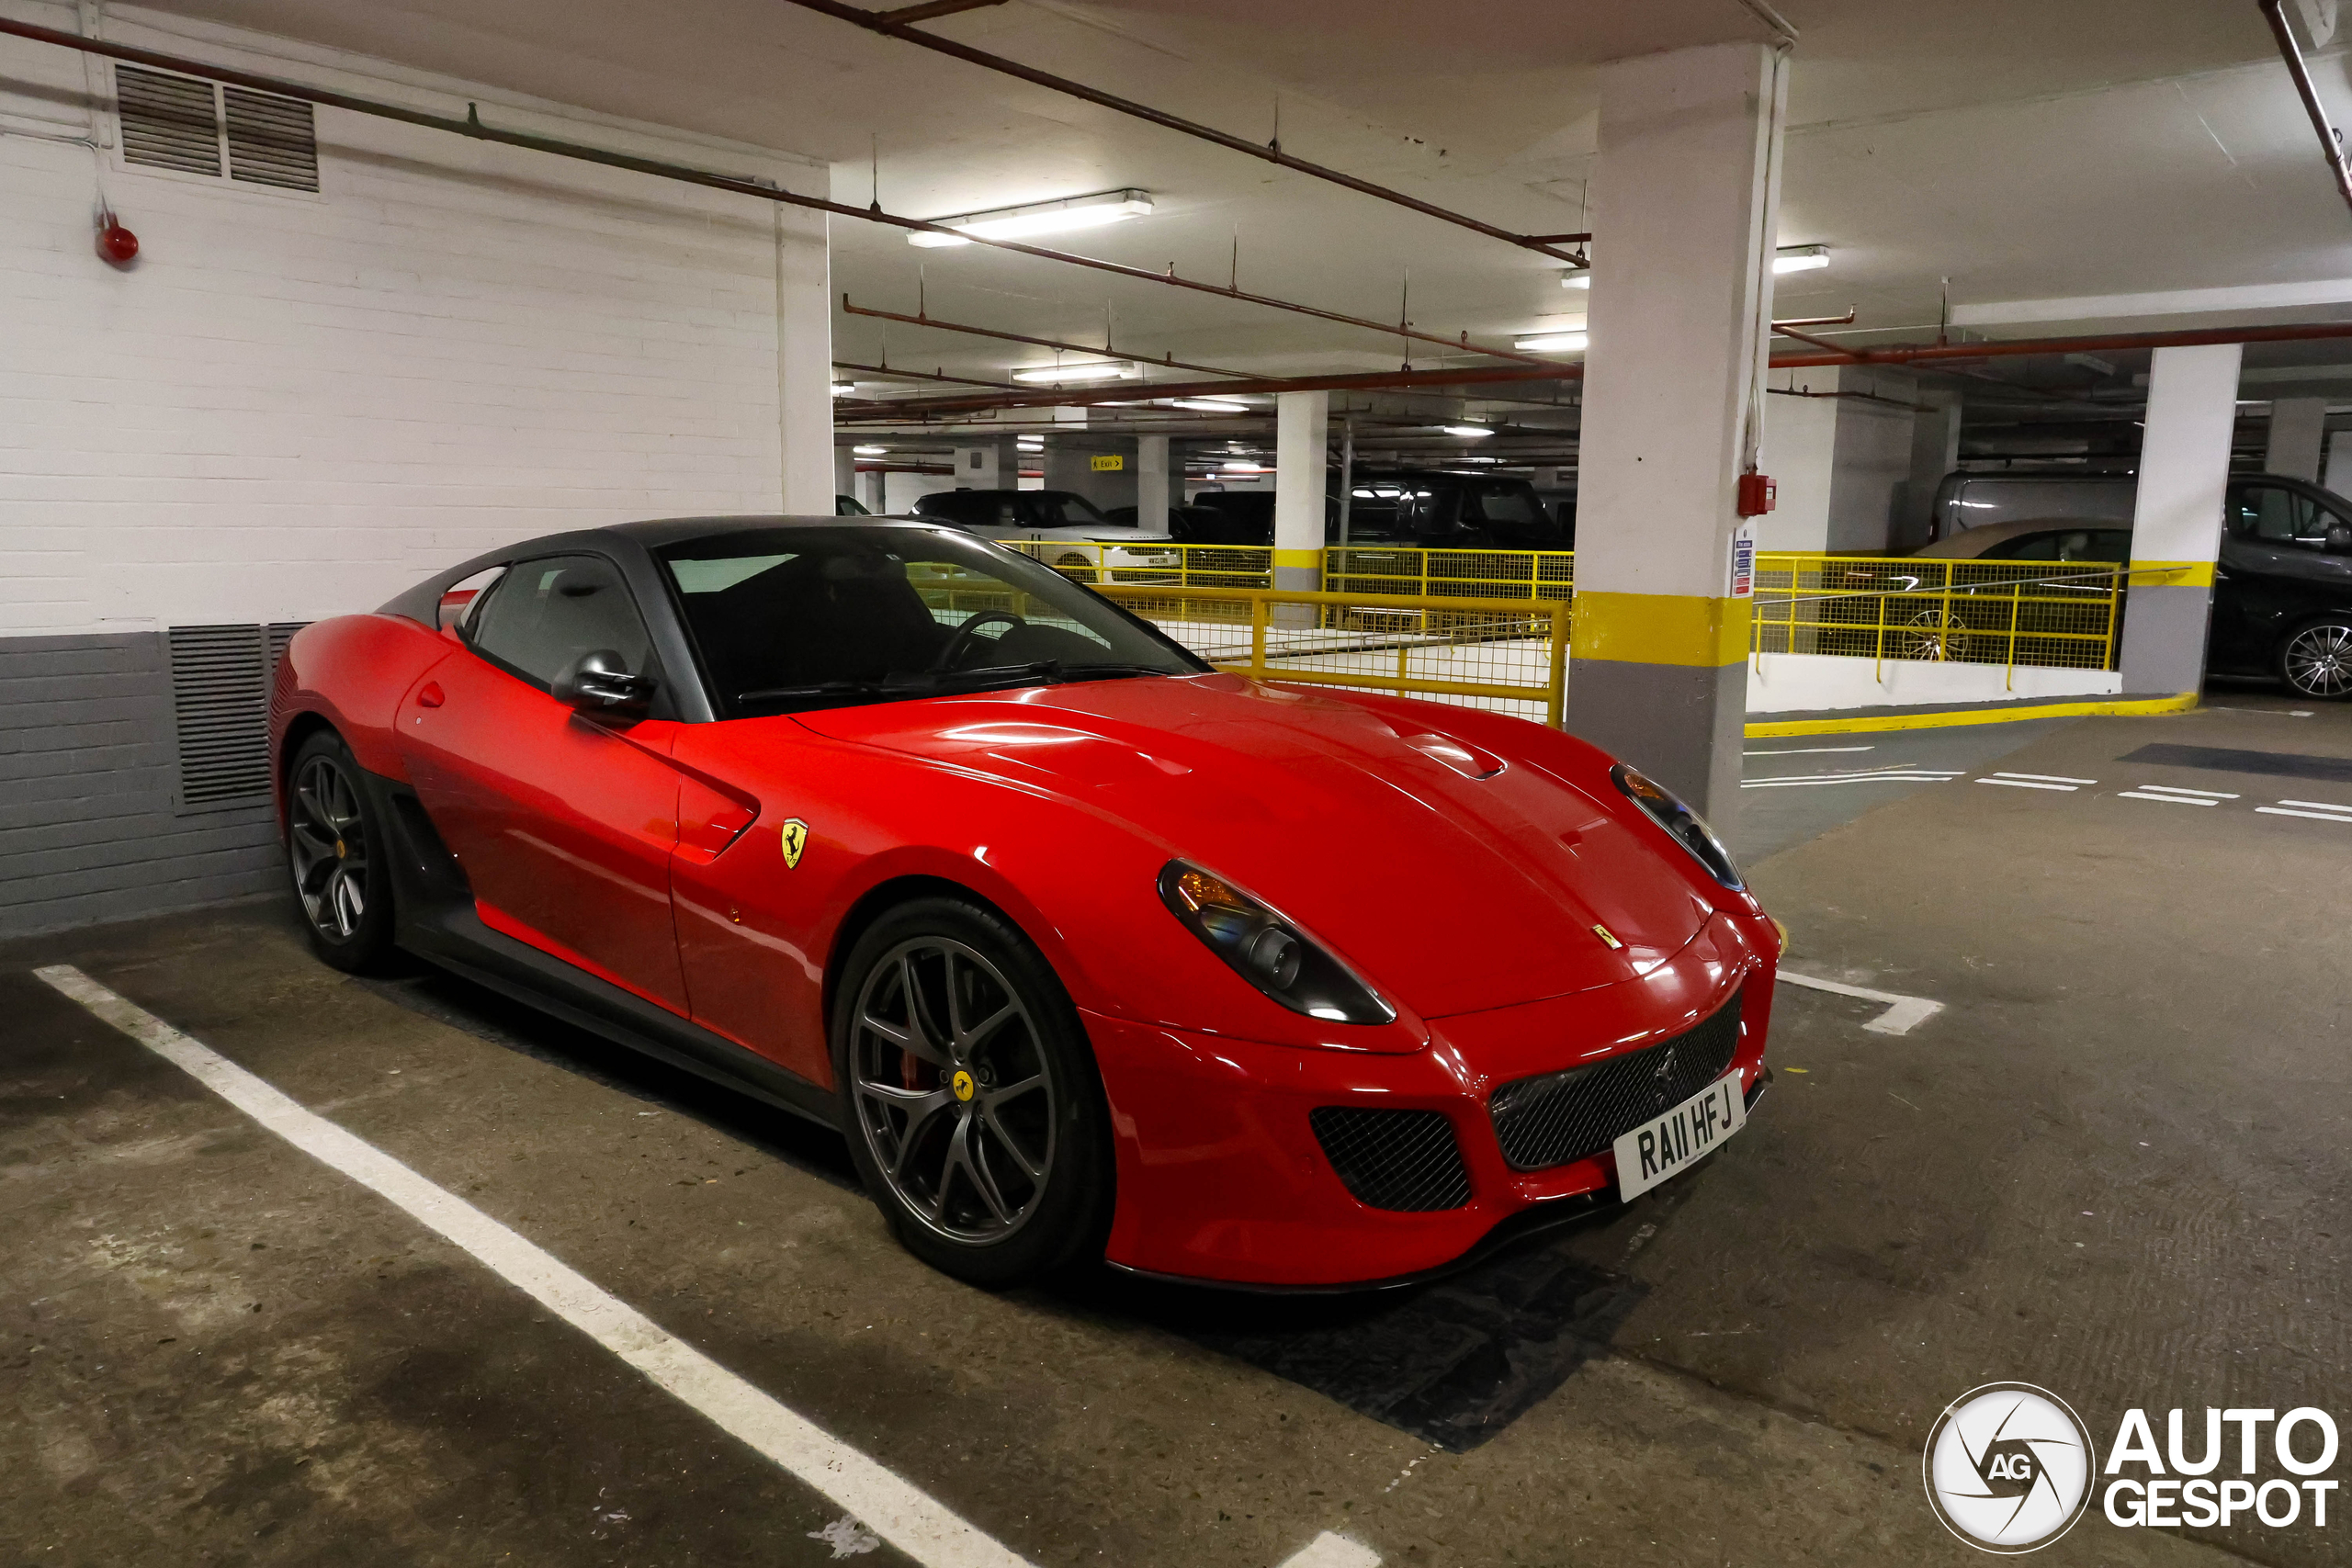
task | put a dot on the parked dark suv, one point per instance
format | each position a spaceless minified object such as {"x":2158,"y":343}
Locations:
{"x":1415,"y":509}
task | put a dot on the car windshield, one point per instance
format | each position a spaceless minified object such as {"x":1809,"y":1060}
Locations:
{"x":791,"y":619}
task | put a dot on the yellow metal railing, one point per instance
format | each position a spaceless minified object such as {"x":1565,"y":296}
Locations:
{"x":1476,"y":651}
{"x":2045,"y":614}
{"x":2049,"y":615}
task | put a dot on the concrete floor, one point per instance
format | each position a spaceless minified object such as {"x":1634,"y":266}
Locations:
{"x":2115,"y":1165}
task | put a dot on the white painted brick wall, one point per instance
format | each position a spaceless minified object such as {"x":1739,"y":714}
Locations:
{"x":294,"y":406}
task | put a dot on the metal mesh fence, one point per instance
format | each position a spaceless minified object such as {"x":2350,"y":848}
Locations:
{"x":1547,"y":575}
{"x":1495,"y":654}
{"x":2054,"y":615}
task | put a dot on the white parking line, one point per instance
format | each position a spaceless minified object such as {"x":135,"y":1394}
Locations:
{"x":890,"y":1507}
{"x":2028,"y":784}
{"x":2046,"y":778}
{"x":2314,"y":816}
{"x":2165,"y":800}
{"x":2314,"y":805}
{"x":1328,"y":1551}
{"x":1902,"y":1014}
{"x":2205,"y":794}
{"x":1883,"y":775}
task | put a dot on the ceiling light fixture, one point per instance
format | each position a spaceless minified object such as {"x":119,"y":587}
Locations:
{"x":870,"y":451}
{"x":843,"y":389}
{"x":1552,"y":343}
{"x":1245,"y":468}
{"x":1093,"y":370}
{"x":1040,"y":218}
{"x":1466,"y":430}
{"x":1029,"y":443}
{"x":1208,"y":405}
{"x":1580,"y":278}
{"x":1800,"y":258}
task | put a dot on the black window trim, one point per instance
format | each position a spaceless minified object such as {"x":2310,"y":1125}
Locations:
{"x":664,"y":704}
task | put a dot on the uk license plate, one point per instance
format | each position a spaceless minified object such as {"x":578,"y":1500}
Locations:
{"x":1669,"y":1141}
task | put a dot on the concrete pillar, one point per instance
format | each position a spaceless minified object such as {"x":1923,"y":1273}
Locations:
{"x":2298,"y":430}
{"x":1099,"y":467}
{"x":804,"y":360}
{"x":2339,"y":462}
{"x":1935,"y":452}
{"x":870,"y":491}
{"x":1152,"y":487}
{"x":992,"y":464}
{"x":845,"y":472}
{"x":2177,"y":516}
{"x":1302,"y":430}
{"x":1686,"y":188}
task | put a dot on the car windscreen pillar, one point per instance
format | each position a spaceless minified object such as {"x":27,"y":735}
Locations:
{"x":1302,"y":428}
{"x":2176,"y":517}
{"x":1684,"y":195}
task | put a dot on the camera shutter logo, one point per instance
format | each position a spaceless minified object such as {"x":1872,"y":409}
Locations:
{"x":2009,"y":1467}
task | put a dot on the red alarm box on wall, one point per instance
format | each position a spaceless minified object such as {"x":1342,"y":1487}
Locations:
{"x":1756,"y":495}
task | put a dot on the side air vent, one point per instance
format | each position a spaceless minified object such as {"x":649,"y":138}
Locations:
{"x":1401,"y":1160}
{"x":201,"y":128}
{"x":221,"y":710}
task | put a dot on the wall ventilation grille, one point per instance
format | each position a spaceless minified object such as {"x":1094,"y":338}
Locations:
{"x":201,"y":128}
{"x":221,"y":682}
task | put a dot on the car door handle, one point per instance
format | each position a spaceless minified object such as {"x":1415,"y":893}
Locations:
{"x":429,"y":695}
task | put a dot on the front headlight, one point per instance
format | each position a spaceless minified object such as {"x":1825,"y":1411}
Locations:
{"x":1684,"y":826}
{"x":1266,"y":950}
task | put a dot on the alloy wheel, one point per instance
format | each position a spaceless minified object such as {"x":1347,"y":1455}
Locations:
{"x":2318,"y":661}
{"x":328,"y":845}
{"x":954,"y":1094}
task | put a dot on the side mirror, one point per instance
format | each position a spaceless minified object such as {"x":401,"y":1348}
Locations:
{"x":2338,"y":541}
{"x":598,"y":682}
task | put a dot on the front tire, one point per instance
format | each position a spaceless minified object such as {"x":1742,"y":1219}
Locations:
{"x":336,"y":853}
{"x":2316,"y":659}
{"x":970,"y":1098}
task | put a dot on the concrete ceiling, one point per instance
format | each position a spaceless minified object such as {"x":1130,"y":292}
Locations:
{"x":2026,"y":150}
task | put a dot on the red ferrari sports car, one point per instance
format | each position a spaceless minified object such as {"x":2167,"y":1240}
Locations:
{"x":1088,"y":949}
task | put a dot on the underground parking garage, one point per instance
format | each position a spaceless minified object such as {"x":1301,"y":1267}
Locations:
{"x":1016,"y":783}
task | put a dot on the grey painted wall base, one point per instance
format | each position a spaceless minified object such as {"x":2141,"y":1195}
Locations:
{"x":2163,"y":637}
{"x":91,"y":827}
{"x":1683,"y":724}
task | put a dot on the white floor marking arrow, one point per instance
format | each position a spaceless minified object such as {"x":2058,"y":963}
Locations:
{"x":1903,"y":1013}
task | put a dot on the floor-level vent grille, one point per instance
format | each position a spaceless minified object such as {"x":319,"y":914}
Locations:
{"x":220,"y":712}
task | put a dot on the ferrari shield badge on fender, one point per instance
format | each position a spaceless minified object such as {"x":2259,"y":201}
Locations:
{"x":795,"y":837}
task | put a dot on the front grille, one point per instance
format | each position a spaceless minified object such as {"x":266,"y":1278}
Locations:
{"x":1402,"y":1160}
{"x":1566,"y":1116}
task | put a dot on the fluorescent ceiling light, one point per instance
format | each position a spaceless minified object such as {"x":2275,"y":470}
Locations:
{"x":1208,"y":405}
{"x":1245,"y":468}
{"x":1093,"y":370}
{"x":1466,"y":430}
{"x":843,"y":389}
{"x":1040,"y":218}
{"x":1029,"y":443}
{"x":870,"y":451}
{"x":1580,"y":278}
{"x":1800,"y":258}
{"x":1555,"y":343}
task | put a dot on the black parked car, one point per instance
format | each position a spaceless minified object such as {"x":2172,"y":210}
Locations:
{"x":1416,"y":510}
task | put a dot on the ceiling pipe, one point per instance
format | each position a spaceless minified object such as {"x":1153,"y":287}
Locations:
{"x":2330,"y":143}
{"x":913,"y":375}
{"x":898,"y":25}
{"x":1955,"y":353}
{"x":1107,"y":350}
{"x":2014,"y":348}
{"x":1378,"y":380}
{"x":472,"y":126}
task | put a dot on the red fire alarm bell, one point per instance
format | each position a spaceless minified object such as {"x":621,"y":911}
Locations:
{"x":117,"y":245}
{"x":1756,"y":495}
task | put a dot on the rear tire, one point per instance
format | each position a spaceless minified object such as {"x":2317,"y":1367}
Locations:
{"x":2316,"y":659}
{"x":338,"y":858}
{"x":969,"y":1095}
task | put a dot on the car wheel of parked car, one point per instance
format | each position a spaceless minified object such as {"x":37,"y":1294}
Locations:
{"x":334,"y":853}
{"x":2316,"y":659}
{"x":974,"y":1109}
{"x":1931,"y":633}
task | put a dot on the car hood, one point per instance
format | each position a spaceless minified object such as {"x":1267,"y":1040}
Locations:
{"x":1453,"y":879}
